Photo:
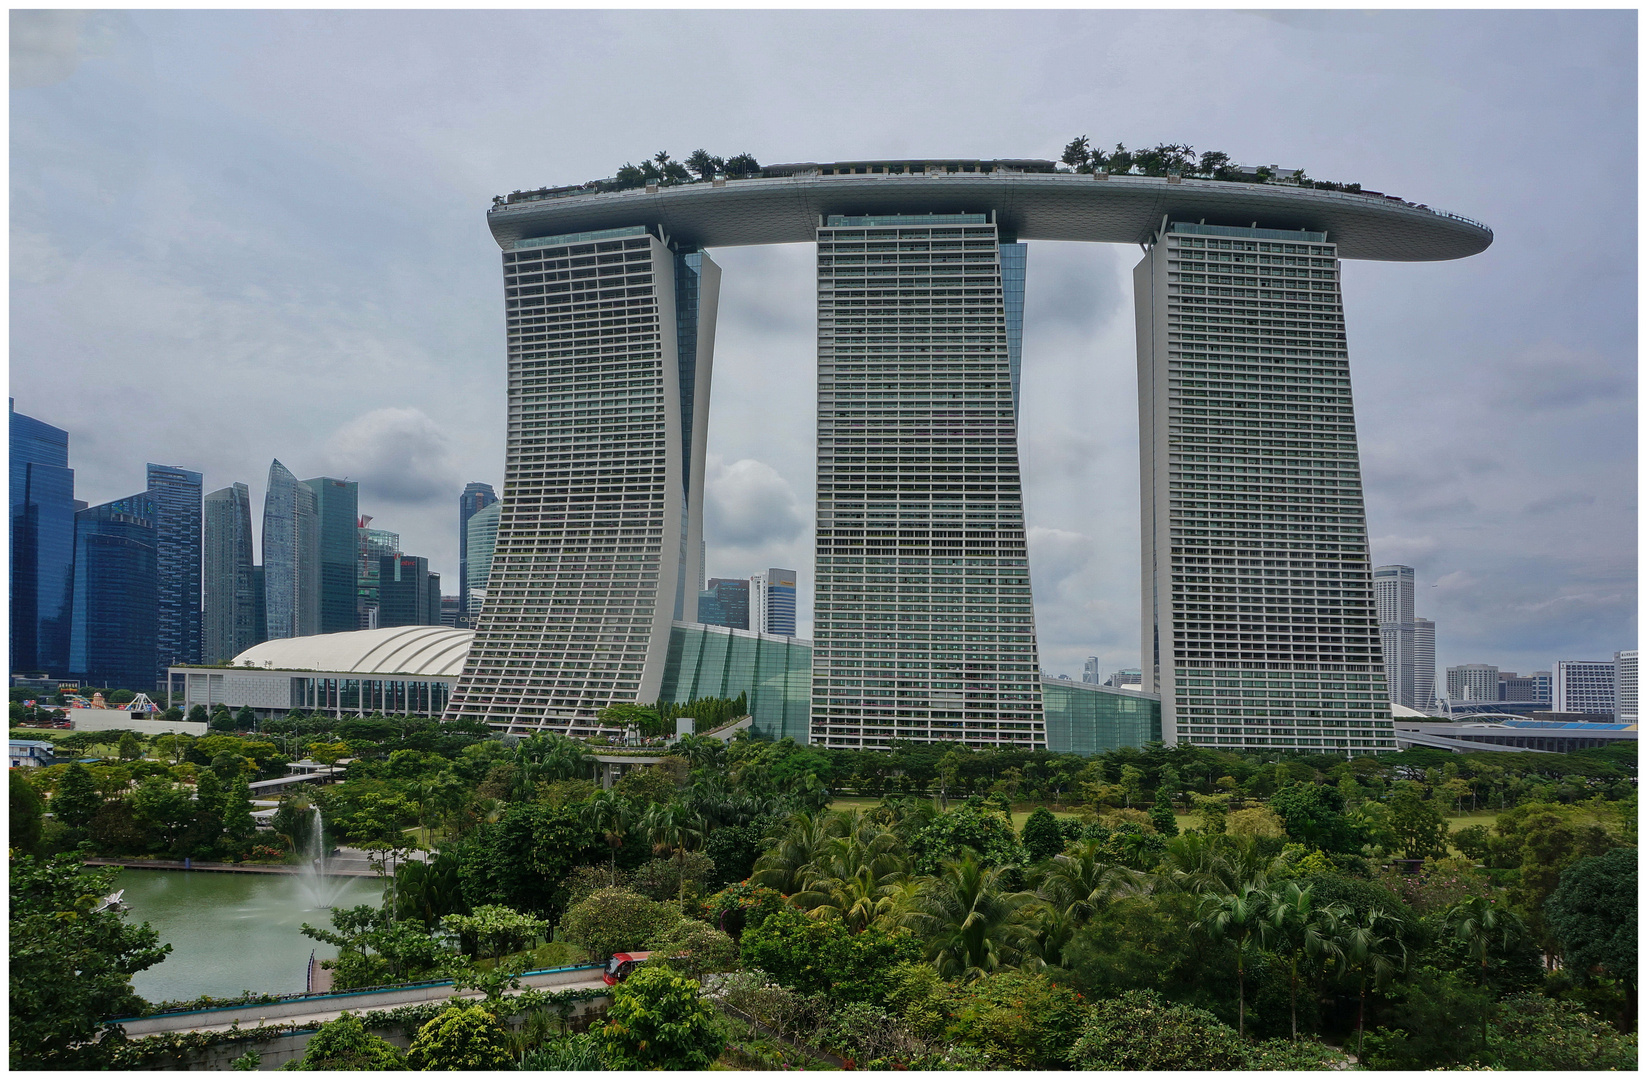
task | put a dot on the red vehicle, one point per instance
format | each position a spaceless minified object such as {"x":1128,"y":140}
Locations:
{"x":622,"y":965}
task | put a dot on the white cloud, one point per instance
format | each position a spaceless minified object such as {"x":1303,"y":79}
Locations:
{"x":45,"y":46}
{"x":747,"y":504}
{"x":397,"y":454}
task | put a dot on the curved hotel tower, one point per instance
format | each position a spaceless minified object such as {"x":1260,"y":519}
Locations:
{"x":1258,"y":622}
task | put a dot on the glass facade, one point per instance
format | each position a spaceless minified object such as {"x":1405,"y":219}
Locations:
{"x":228,"y":619}
{"x":475,"y":498}
{"x":291,"y":556}
{"x":337,"y":510}
{"x":1258,"y":622}
{"x":177,"y":533}
{"x":719,"y":662}
{"x":923,"y":622}
{"x":598,"y":541}
{"x":1085,"y":719}
{"x":116,"y":577}
{"x":42,"y":546}
{"x":731,"y":604}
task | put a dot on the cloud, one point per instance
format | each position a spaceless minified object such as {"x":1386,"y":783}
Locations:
{"x":45,"y":46}
{"x":1549,"y":375}
{"x":748,"y":504}
{"x":1057,"y":554}
{"x":1402,"y":550}
{"x":399,"y":455}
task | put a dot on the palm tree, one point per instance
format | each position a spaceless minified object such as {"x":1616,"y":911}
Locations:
{"x":973,"y":925}
{"x":672,"y":828}
{"x":1372,"y":953}
{"x":1237,"y":917}
{"x":856,"y":877}
{"x":798,"y":842}
{"x":1195,"y":863}
{"x":1081,"y":883}
{"x":1477,"y":922}
{"x":611,"y":816}
{"x":1301,"y":928}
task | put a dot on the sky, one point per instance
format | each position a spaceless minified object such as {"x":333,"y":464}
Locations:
{"x":239,"y":236}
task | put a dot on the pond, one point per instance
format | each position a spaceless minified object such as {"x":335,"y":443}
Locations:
{"x":231,"y":933}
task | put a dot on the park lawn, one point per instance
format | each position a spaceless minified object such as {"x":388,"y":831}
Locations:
{"x":1464,"y":821}
{"x":1019,"y":817}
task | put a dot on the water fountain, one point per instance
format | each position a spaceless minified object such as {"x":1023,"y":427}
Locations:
{"x":318,"y":889}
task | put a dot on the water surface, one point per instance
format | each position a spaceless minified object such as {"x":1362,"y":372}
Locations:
{"x":231,"y":933}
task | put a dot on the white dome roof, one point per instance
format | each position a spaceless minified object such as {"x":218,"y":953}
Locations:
{"x":394,"y":650}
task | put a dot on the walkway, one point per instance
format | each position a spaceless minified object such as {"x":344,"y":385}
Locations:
{"x":311,"y":1010}
{"x":348,"y":862}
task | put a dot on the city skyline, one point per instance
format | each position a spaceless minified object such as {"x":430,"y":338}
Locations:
{"x":1556,"y":357}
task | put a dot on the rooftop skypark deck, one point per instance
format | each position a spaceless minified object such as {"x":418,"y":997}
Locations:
{"x":783,"y":204}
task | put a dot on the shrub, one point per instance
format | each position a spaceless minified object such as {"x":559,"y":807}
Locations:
{"x":822,"y":956}
{"x":1019,"y":1021}
{"x":695,"y":949}
{"x":460,"y":1038}
{"x":658,"y":1021}
{"x":611,"y":921}
{"x":345,"y":1044}
{"x":1142,"y":1030}
{"x":1534,"y":1032}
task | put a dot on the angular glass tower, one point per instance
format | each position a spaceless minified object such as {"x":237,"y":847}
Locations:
{"x":610,"y":346}
{"x":116,"y":594}
{"x":1258,"y":623}
{"x":475,"y":498}
{"x":177,"y":535}
{"x":42,"y":546}
{"x":291,"y":556}
{"x":337,"y":509}
{"x":923,"y":625}
{"x":229,"y":617}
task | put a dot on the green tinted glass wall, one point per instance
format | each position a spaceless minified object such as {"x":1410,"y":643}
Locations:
{"x":1088,"y":720}
{"x":715,"y":661}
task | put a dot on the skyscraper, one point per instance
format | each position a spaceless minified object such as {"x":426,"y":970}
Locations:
{"x":177,"y":545}
{"x":42,"y":545}
{"x":1258,"y":623}
{"x":1626,"y":689}
{"x":480,"y":539}
{"x":1090,"y":672}
{"x":229,"y":624}
{"x":408,"y":595}
{"x":732,"y":596}
{"x":610,"y":346}
{"x":1423,"y":665}
{"x":1585,"y":686}
{"x":475,"y":498}
{"x":116,"y":594}
{"x":771,"y":602}
{"x":291,"y":556}
{"x":1398,"y":629}
{"x":923,"y":627}
{"x":373,"y":545}
{"x":337,"y":514}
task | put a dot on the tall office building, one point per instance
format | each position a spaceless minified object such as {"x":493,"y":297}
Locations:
{"x":1397,"y":628}
{"x":291,"y":556}
{"x":229,"y":625}
{"x":1258,"y":623}
{"x":260,"y":604}
{"x":373,"y":545}
{"x":337,"y":513}
{"x":1584,"y":686}
{"x":116,"y":593}
{"x":610,"y":346}
{"x":408,"y":594}
{"x":1472,"y":682}
{"x":1423,"y":665}
{"x":1127,"y":676}
{"x":923,"y":627}
{"x":771,"y":602}
{"x":1090,"y":672}
{"x":732,"y":603}
{"x":177,"y":537}
{"x":1626,"y":693}
{"x":710,"y":612}
{"x":1534,"y":686}
{"x":42,"y":546}
{"x":480,"y":540}
{"x":475,"y":498}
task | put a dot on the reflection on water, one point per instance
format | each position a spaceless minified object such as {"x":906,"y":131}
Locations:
{"x":230,"y":932}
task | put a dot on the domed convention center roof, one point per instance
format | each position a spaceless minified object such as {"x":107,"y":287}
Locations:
{"x":394,"y":650}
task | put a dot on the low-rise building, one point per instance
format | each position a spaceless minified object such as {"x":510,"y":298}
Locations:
{"x":30,"y":754}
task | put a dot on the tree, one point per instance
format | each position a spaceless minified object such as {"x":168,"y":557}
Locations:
{"x":1301,"y":929}
{"x":1161,"y":816}
{"x":695,"y":949}
{"x":1238,"y":918}
{"x":71,"y":968}
{"x":704,"y":164}
{"x":1372,"y":955}
{"x":741,"y":165}
{"x":1531,"y":1031}
{"x":129,"y":748}
{"x":26,"y":816}
{"x":76,"y":799}
{"x":1141,"y":1030}
{"x":971,"y":922}
{"x":1020,"y":1020}
{"x":673,"y":829}
{"x":611,"y":921}
{"x":657,"y":1020}
{"x":493,"y":930}
{"x":238,"y":824}
{"x":609,"y":816}
{"x":1042,"y":837}
{"x":1420,"y":831}
{"x":1078,"y":154}
{"x":823,"y":956}
{"x":461,"y":1038}
{"x":1593,"y":914}
{"x":345,"y":1044}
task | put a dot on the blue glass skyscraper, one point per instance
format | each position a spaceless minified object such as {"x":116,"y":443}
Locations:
{"x":230,"y":624}
{"x":337,"y":529}
{"x":475,"y":498}
{"x":177,"y":495}
{"x":116,"y":577}
{"x":42,"y":545}
{"x":291,"y":556}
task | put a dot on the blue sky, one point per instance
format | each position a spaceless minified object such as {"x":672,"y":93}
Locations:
{"x":245,"y":235}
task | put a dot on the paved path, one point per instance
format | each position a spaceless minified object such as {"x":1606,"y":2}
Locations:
{"x":311,"y":1011}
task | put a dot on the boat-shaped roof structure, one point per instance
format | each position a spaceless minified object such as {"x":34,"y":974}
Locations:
{"x":1030,"y":201}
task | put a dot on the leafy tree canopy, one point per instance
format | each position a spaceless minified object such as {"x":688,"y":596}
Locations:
{"x":658,"y":1020}
{"x":345,"y":1044}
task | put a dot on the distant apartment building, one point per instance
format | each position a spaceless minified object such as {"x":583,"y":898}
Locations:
{"x":1533,"y":686}
{"x":1089,"y":673}
{"x":475,"y":499}
{"x":229,"y":623}
{"x":1393,"y":602}
{"x":177,"y":501}
{"x":449,"y":611}
{"x":43,"y":507}
{"x":1625,"y":687}
{"x":710,"y":612}
{"x":1584,"y":686}
{"x":1472,"y":682}
{"x":772,"y":602}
